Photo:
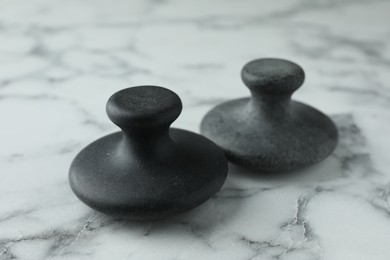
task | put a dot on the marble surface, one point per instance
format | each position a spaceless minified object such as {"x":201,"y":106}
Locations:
{"x":61,"y":60}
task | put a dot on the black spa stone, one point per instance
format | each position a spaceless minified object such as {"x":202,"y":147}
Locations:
{"x":269,"y":132}
{"x":148,"y":170}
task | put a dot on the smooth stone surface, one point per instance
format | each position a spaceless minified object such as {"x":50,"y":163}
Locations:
{"x":60,"y":60}
{"x":269,"y":132}
{"x":147,"y":171}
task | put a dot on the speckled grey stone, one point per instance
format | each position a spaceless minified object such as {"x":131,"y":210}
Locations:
{"x":269,"y":131}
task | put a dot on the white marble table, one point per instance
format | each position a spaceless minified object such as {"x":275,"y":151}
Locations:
{"x":61,"y":60}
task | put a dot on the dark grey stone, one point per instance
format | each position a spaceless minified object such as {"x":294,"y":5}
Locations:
{"x":148,"y":170}
{"x":268,"y":131}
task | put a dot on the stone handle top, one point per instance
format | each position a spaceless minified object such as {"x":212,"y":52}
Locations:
{"x":143,"y":107}
{"x":272,"y":77}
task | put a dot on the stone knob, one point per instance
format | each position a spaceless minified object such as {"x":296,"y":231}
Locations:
{"x":272,"y":77}
{"x":148,"y":170}
{"x":269,"y":132}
